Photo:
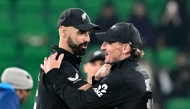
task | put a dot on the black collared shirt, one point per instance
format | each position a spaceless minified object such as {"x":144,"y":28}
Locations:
{"x":127,"y":86}
{"x":46,"y":95}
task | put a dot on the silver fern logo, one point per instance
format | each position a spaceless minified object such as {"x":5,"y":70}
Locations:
{"x":83,"y":16}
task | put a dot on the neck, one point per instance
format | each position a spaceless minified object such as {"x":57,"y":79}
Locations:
{"x":65,"y":46}
{"x":125,"y":56}
{"x":89,"y":79}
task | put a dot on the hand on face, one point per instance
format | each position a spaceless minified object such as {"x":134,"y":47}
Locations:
{"x":51,"y":62}
{"x":103,"y":71}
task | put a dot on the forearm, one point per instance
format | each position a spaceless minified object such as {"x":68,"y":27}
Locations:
{"x":95,"y":81}
{"x":85,"y":87}
{"x":74,"y":98}
{"x":97,"y":96}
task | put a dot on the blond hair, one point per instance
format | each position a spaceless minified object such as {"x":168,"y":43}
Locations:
{"x":137,"y":52}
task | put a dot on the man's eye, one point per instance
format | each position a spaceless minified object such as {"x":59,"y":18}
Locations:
{"x":84,"y":32}
{"x":110,"y":42}
{"x":81,"y":31}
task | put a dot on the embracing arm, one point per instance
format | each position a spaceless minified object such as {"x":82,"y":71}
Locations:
{"x":51,"y":62}
{"x":104,"y":94}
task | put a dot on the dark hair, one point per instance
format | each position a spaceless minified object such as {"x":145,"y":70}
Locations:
{"x":137,"y":52}
{"x":27,"y":90}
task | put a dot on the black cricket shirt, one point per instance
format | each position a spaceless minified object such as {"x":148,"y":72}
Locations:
{"x":127,"y":86}
{"x":46,"y":95}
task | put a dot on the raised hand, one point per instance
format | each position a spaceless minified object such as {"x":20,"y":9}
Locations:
{"x":51,"y":62}
{"x":103,"y":71}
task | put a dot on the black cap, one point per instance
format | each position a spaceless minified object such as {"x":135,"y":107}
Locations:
{"x":77,"y":18}
{"x":95,"y":55}
{"x":121,"y":32}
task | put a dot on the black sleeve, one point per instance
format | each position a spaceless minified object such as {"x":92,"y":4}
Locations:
{"x":72,"y":75}
{"x":94,"y":81}
{"x":104,"y":94}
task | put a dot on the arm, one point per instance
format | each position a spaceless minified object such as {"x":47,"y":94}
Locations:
{"x":51,"y":62}
{"x":85,"y":87}
{"x":10,"y":101}
{"x":103,"y":71}
{"x":102,"y":95}
{"x":82,"y":85}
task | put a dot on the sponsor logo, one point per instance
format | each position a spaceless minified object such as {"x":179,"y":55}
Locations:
{"x":101,"y":89}
{"x":75,"y":79}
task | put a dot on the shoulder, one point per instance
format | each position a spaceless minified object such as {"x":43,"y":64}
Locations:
{"x":66,"y":65}
{"x":9,"y":100}
{"x":133,"y":70}
{"x":113,"y":78}
{"x":136,"y":77}
{"x":8,"y":94}
{"x":68,"y":68}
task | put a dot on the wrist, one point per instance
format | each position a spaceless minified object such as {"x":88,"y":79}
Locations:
{"x":94,"y":81}
{"x":97,"y":78}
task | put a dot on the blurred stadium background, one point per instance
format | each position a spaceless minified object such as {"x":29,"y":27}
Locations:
{"x":28,"y":29}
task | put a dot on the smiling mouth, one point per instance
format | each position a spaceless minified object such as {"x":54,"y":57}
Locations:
{"x":84,"y":46}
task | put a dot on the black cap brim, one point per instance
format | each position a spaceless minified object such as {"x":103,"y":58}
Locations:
{"x":104,"y":37}
{"x":97,"y":58}
{"x":87,"y":26}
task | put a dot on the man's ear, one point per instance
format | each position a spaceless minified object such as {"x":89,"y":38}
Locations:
{"x":126,"y":48}
{"x":62,"y":31}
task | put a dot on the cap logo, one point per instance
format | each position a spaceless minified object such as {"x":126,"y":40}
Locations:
{"x":113,"y":26}
{"x":96,"y":53}
{"x":130,"y":43}
{"x":83,"y":16}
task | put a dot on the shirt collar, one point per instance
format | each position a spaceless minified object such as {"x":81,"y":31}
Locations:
{"x":67,"y":55}
{"x":120,"y":63}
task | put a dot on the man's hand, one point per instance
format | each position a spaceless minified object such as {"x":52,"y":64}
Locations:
{"x":103,"y":71}
{"x":51,"y":62}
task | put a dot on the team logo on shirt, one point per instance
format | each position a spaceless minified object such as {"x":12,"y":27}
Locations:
{"x":75,"y":79}
{"x":101,"y":89}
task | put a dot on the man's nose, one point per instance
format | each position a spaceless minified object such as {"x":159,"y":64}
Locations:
{"x":103,"y":46}
{"x":87,"y":38}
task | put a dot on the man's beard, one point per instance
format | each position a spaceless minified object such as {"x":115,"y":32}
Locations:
{"x":77,"y":49}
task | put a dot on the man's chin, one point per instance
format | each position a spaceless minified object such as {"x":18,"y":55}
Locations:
{"x":82,"y":52}
{"x":83,"y":49}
